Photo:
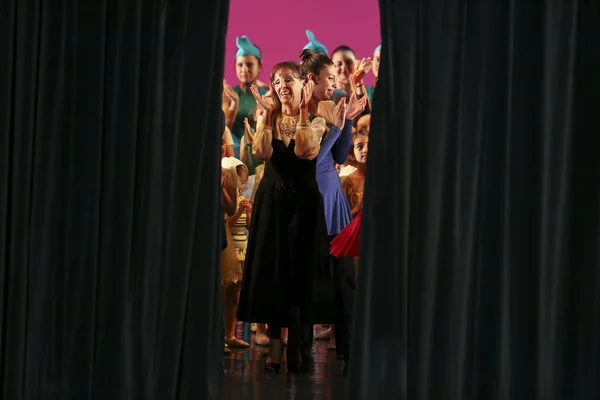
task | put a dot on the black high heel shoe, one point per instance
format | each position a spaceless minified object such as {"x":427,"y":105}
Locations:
{"x":272,"y":367}
{"x":275,"y":348}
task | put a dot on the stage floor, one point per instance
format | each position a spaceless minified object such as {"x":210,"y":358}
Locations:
{"x":245,"y":378}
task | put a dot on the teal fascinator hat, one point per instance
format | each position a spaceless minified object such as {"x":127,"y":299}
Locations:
{"x":314,"y":44}
{"x":246,"y":48}
{"x":378,"y":48}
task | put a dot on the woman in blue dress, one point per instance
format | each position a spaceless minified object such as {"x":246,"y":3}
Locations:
{"x":335,"y":144}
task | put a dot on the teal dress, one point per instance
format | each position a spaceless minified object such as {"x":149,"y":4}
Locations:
{"x":370,"y":91}
{"x":245,"y":108}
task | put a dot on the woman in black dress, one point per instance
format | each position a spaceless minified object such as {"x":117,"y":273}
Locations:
{"x":287,"y":275}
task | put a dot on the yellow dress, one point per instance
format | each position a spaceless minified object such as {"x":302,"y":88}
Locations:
{"x":353,"y":195}
{"x":231,"y":268}
{"x":238,"y":233}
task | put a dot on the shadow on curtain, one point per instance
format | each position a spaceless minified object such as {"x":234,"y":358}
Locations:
{"x":109,"y":169}
{"x":480,"y":272}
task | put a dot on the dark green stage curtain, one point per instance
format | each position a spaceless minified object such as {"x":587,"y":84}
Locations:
{"x":480,"y":269}
{"x":109,"y":207}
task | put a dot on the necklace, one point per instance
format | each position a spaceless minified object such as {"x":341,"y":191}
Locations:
{"x":287,"y":125}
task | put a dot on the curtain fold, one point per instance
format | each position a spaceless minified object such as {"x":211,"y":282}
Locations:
{"x":109,"y":199}
{"x":482,"y":207}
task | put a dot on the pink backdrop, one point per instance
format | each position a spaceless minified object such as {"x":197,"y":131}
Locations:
{"x":277,"y":28}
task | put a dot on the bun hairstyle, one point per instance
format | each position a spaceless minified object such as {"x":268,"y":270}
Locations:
{"x":313,"y":63}
{"x":306,"y":54}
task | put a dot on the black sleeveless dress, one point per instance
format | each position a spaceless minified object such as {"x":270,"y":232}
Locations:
{"x":287,"y":259}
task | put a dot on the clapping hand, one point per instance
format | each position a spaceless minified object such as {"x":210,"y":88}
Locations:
{"x":260,"y":100}
{"x":355,"y":107}
{"x":230,"y":93}
{"x":362,"y":68}
{"x":307,"y":92}
{"x":246,"y":205}
{"x":339,"y":113}
{"x":248,"y":130}
{"x":264,"y":107}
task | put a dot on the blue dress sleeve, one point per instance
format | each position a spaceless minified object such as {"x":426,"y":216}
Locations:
{"x":328,"y":140}
{"x":341,"y":147}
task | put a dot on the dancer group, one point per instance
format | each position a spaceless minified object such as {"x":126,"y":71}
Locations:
{"x":294,"y":155}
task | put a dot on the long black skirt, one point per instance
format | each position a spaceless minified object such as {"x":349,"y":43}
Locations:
{"x":287,"y":260}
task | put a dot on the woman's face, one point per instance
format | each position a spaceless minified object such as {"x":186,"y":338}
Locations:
{"x":325,"y":84}
{"x":287,"y":87}
{"x":345,"y":64}
{"x":376,"y":61}
{"x":361,"y":149}
{"x":247,"y":69}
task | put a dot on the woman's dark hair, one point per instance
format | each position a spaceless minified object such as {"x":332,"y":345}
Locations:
{"x":342,"y":48}
{"x":313,"y":63}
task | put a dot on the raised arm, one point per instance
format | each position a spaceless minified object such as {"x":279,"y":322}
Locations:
{"x":262,"y":146}
{"x":341,"y":147}
{"x":308,"y":134}
{"x":362,"y":68}
{"x":230,"y":104}
{"x":228,"y":193}
{"x":334,"y":115}
{"x":308,"y":138}
{"x":329,"y":139}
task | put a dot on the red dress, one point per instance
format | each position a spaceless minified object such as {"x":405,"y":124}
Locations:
{"x":346,"y":243}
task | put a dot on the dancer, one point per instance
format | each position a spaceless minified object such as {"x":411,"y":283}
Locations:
{"x":228,"y":204}
{"x":347,"y":242}
{"x":318,"y":68}
{"x":246,"y":144}
{"x":237,"y":101}
{"x":287,"y":276}
{"x":232,"y":260}
{"x":350,"y":73}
